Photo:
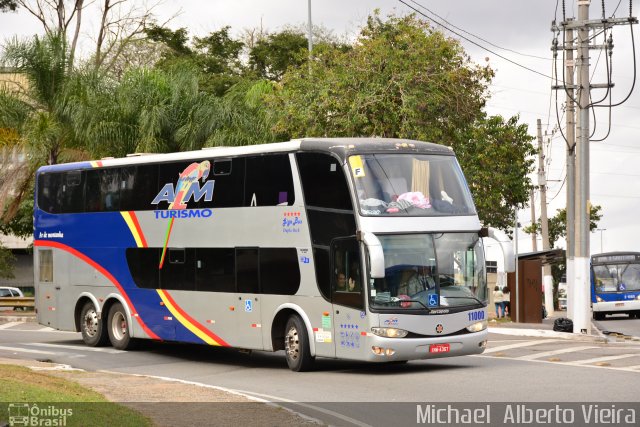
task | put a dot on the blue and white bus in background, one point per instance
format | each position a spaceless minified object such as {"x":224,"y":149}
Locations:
{"x":362,"y":249}
{"x":615,"y":284}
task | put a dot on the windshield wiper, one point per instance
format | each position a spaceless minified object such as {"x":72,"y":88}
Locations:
{"x":396,"y":299}
{"x":467,"y":297}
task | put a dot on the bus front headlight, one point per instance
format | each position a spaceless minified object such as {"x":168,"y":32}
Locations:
{"x":478,"y":326}
{"x":598,"y":299}
{"x":390,"y":332}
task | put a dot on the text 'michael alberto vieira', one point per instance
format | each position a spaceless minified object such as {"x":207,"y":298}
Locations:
{"x":516,"y":414}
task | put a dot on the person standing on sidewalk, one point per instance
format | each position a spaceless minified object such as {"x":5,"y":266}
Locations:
{"x":498,"y":300}
{"x":506,"y":301}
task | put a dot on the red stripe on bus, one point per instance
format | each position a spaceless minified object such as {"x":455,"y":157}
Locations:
{"x":136,"y":224}
{"x":101,"y":269}
{"x":194,"y":322}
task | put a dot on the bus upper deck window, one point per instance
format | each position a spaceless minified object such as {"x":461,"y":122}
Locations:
{"x":222,"y":167}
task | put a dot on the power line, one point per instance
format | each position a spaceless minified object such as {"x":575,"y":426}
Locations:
{"x":471,"y":41}
{"x":476,"y":36}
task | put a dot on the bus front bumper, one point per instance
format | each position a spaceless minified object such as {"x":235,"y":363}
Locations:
{"x":382,"y":349}
{"x":616,"y":306}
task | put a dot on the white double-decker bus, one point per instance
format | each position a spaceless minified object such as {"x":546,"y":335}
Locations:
{"x":362,"y":249}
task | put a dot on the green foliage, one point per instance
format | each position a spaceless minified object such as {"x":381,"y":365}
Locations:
{"x":148,"y":111}
{"x":21,"y":224}
{"x":496,"y":159}
{"x":6,"y":263}
{"x":271,"y":56}
{"x":242,"y":118}
{"x":8,"y":5}
{"x":176,"y":41}
{"x":558,"y":224}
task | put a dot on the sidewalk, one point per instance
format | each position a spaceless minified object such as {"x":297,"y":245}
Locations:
{"x":543,"y":330}
{"x":8,"y":315}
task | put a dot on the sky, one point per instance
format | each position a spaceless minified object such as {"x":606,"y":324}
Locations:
{"x":517,"y":30}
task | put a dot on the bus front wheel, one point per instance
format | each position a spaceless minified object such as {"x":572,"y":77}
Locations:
{"x":119,"y":328}
{"x":93,"y":329}
{"x":296,"y":345}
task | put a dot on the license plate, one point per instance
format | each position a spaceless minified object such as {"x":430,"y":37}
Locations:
{"x":439,"y":348}
{"x":619,"y":304}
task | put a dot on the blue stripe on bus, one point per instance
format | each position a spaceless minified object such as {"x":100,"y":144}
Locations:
{"x":82,"y":232}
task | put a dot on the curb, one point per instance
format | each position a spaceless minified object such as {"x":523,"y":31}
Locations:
{"x":17,"y":318}
{"x":544,"y":333}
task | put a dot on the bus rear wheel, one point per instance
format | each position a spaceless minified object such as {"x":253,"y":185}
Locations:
{"x":92,"y":326}
{"x":296,"y":345}
{"x":119,"y":328}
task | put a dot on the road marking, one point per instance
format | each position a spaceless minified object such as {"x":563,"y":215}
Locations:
{"x":9,"y":325}
{"x":259,"y":397}
{"x":602,"y":359}
{"x":517,"y":345}
{"x":42,"y":329}
{"x":77,"y":347}
{"x":26,"y":350}
{"x":553,"y":352}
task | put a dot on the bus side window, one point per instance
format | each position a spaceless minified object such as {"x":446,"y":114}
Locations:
{"x":179,"y":272}
{"x":268,"y":181}
{"x":73,"y":192}
{"x":215,"y":269}
{"x":347,"y":280}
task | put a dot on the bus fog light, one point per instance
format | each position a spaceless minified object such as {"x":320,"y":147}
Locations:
{"x":377,"y":350}
{"x":389,"y":352}
{"x":478,"y":326}
{"x":482,"y":344}
{"x":389,"y":332}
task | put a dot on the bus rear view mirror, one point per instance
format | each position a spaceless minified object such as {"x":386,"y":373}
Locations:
{"x":507,"y":248}
{"x":376,"y":255}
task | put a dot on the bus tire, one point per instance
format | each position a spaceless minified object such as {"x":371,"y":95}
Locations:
{"x":296,"y":345}
{"x":119,"y":328}
{"x":92,"y":326}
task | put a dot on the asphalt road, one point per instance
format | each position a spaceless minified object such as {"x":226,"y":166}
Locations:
{"x":619,"y":323}
{"x":514,"y":369}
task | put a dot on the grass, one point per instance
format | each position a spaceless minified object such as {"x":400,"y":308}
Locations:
{"x":23,"y":385}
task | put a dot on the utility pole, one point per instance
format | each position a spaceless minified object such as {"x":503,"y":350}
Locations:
{"x":570,"y":115}
{"x":579,"y":289}
{"x":581,"y":310}
{"x":547,"y":279}
{"x":601,"y":230}
{"x":310,"y":28}
{"x":534,"y":236}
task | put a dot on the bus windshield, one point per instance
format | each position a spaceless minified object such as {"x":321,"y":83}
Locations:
{"x":410,"y":185}
{"x":429,"y":271}
{"x":616,"y":277}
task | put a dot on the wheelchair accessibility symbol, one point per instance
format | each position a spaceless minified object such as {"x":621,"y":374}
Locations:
{"x":248,"y":305}
{"x":433,"y":300}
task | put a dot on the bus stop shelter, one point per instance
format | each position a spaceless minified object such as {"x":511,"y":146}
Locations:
{"x":528,"y":291}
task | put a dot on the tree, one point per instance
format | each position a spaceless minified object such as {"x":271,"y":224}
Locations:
{"x":6,"y":262}
{"x":271,"y":56}
{"x":558,"y":224}
{"x":403,"y":79}
{"x":121,"y":23}
{"x":8,"y":5}
{"x":146,"y":111}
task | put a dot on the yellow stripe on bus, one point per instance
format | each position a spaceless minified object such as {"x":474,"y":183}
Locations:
{"x":132,"y":227}
{"x":190,"y":326}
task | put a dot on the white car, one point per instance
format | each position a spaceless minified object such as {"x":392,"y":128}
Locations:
{"x":6,"y":291}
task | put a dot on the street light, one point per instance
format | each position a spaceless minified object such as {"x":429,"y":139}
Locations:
{"x":600,"y":230}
